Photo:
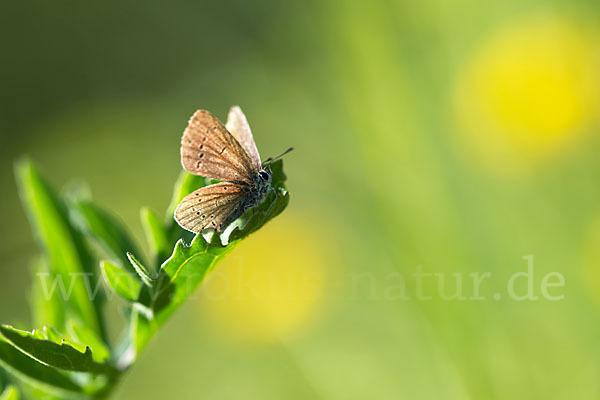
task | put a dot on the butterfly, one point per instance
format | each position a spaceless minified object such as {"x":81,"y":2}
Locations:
{"x":228,"y":154}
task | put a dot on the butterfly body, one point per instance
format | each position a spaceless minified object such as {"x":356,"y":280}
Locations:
{"x":255,"y":192}
{"x":226,"y":153}
{"x":261,"y":184}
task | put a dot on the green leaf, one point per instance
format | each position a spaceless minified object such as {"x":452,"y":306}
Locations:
{"x":33,"y":372}
{"x":182,"y":272}
{"x":52,"y":334}
{"x":62,"y":356}
{"x":105,"y":229}
{"x":156,"y":235}
{"x":142,"y":329}
{"x":141,"y":271}
{"x":10,"y":393}
{"x":68,"y":259}
{"x":81,"y":334}
{"x":278,"y":177}
{"x":45,"y":309}
{"x":120,"y":281}
{"x":38,"y":334}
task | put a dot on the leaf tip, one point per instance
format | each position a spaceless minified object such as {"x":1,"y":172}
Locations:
{"x":22,"y":161}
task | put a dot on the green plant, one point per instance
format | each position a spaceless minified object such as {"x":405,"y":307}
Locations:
{"x":86,"y":249}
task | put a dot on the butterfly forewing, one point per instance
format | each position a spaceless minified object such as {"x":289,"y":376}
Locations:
{"x":238,"y":125}
{"x":210,"y":207}
{"x":208,"y":149}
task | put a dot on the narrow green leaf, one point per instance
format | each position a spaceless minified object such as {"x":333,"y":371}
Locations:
{"x":33,"y":372}
{"x":106,"y":230}
{"x":68,"y":259}
{"x":142,"y":329}
{"x":62,"y":356}
{"x":156,"y":235}
{"x":141,"y":271}
{"x":83,"y":335}
{"x":120,"y":281}
{"x":10,"y":393}
{"x":46,"y":309}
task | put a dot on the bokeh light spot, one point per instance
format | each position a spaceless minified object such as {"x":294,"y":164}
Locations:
{"x":530,"y":90}
{"x":271,"y":287}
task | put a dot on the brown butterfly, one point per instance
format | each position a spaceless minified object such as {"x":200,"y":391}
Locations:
{"x":226,"y":153}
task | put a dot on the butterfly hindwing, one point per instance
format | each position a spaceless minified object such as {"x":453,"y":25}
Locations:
{"x":208,"y":149}
{"x":210,"y":207}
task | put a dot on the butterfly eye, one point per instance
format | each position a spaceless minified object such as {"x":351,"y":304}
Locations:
{"x":265,"y":175}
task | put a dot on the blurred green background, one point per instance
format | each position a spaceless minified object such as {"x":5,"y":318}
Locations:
{"x":456,"y":137}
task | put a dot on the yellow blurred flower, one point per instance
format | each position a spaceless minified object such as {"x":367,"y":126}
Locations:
{"x":530,"y":90}
{"x":271,"y":286}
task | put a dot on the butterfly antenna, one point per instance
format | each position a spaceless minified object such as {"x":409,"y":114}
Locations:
{"x":271,"y":160}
